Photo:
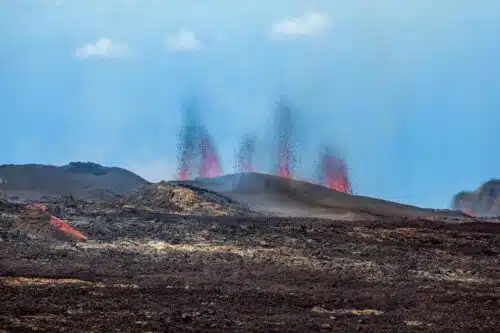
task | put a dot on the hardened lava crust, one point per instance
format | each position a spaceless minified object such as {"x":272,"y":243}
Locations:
{"x":143,"y":270}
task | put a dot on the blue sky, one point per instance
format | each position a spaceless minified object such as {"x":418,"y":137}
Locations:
{"x":407,"y":90}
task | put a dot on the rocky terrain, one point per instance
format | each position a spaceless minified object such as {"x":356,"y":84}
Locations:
{"x":155,"y":272}
{"x":185,"y":199}
{"x":485,"y":201}
{"x":174,"y":257}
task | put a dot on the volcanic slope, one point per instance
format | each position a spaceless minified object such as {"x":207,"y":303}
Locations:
{"x":287,"y":197}
{"x":83,"y":180}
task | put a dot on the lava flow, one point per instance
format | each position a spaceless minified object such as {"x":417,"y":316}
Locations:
{"x":244,"y":158}
{"x":334,"y":173}
{"x":37,"y":219}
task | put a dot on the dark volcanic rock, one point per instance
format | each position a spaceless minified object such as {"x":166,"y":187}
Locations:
{"x":485,"y":201}
{"x":144,"y":269}
{"x":173,"y":273}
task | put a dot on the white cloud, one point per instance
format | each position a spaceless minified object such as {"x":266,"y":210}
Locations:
{"x":185,"y":40}
{"x":309,"y":24}
{"x":104,"y":48}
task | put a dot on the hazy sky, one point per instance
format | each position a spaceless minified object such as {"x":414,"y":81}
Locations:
{"x":408,"y":90}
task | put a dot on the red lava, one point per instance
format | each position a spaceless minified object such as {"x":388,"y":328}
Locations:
{"x":335,"y":173}
{"x":198,"y":154}
{"x":210,"y":163}
{"x":36,"y":215}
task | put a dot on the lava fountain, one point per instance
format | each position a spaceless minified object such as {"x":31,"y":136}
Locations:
{"x":196,"y":148}
{"x":188,"y":145}
{"x":197,"y":155}
{"x":284,"y":131}
{"x":244,"y":157}
{"x":334,"y":172}
{"x":209,"y":158}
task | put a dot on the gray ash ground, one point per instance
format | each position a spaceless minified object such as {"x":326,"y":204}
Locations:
{"x":145,"y":270}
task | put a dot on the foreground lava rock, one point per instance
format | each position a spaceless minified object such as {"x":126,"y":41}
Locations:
{"x":175,"y":257}
{"x":160,"y":272}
